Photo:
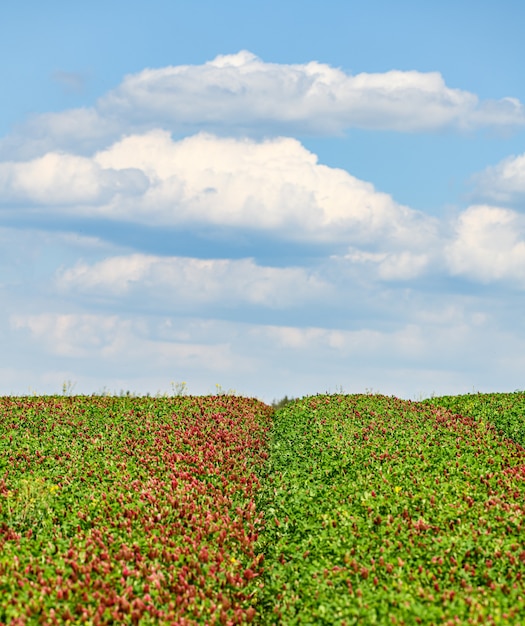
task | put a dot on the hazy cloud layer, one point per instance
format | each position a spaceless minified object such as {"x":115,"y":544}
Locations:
{"x":387,"y":266}
{"x":181,"y":282}
{"x":240,"y":93}
{"x":146,"y":353}
{"x":108,"y":339}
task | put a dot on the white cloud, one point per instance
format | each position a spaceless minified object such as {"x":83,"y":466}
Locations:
{"x":503,"y":183}
{"x":241,"y":90}
{"x":72,"y":335}
{"x":180,"y":282}
{"x":274,"y":185}
{"x":65,"y":179}
{"x":241,"y":93}
{"x":489,"y":245}
{"x":269,"y":184}
{"x":363,"y":343}
{"x":403,"y":265}
{"x":110,"y":339}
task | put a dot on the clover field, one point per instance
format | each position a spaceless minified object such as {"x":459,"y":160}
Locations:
{"x":335,"y":509}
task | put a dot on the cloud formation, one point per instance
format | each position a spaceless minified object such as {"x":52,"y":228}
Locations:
{"x":242,"y":90}
{"x":274,"y":186}
{"x":240,"y":94}
{"x":503,"y":183}
{"x":59,"y":179}
{"x":185,"y":282}
{"x":108,"y":339}
{"x":489,"y":245}
{"x":145,"y":352}
{"x":359,"y":296}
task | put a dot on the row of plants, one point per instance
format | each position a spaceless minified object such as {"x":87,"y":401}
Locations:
{"x":384,"y":511}
{"x":221,"y":510}
{"x":505,"y":411}
{"x":130,"y":510}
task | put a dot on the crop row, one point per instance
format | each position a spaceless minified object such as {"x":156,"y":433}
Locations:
{"x":382,"y":511}
{"x":127,"y":511}
{"x":505,"y":411}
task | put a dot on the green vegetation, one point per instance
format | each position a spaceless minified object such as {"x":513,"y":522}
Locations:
{"x":331,"y":509}
{"x":505,"y":411}
{"x":385,"y":511}
{"x":129,"y":510}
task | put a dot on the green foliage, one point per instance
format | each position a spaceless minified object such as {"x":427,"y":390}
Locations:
{"x":120,"y":510}
{"x":382,"y":511}
{"x":505,"y":411}
{"x":367,"y":509}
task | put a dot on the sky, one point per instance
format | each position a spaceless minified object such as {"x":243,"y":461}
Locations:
{"x":278,"y":198}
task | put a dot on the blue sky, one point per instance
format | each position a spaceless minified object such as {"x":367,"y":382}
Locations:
{"x":280,"y":198}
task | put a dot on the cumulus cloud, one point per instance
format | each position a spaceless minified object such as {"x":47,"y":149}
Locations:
{"x":273,"y":185}
{"x":65,"y":179}
{"x":122,"y":166}
{"x":488,"y":245}
{"x":240,"y":93}
{"x":181,"y":282}
{"x":503,"y":183}
{"x":242,"y":90}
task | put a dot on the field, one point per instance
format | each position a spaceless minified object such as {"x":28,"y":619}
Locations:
{"x":117,"y":510}
{"x":334,"y":509}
